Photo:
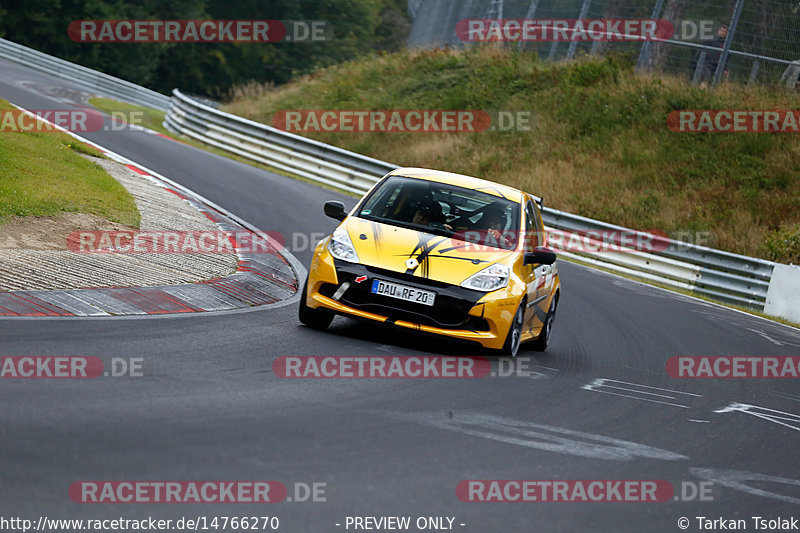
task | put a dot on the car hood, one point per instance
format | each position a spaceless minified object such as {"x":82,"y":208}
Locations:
{"x":439,"y":258}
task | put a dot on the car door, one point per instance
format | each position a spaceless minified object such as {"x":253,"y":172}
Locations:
{"x":537,"y":273}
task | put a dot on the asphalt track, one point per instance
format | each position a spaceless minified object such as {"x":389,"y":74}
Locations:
{"x":210,"y":408}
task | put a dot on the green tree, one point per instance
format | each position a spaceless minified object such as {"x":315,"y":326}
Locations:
{"x":209,"y":69}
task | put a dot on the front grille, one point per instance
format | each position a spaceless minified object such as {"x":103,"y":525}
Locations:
{"x":450,"y":310}
{"x":446,"y":312}
{"x":402,"y":277}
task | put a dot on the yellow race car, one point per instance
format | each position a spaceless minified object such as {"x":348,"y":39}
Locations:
{"x":441,"y":253}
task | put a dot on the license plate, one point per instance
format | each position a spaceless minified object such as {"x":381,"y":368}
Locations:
{"x":403,"y":292}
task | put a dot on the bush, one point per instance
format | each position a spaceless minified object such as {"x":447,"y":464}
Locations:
{"x":783,"y":246}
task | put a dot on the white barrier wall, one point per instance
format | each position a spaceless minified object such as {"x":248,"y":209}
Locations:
{"x":783,"y":295}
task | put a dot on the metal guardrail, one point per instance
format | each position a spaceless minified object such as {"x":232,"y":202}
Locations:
{"x":724,"y":276}
{"x":729,"y":277}
{"x":270,"y":146}
{"x":714,"y":273}
{"x":85,"y":77}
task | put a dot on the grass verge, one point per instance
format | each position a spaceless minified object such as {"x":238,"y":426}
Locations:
{"x":41,"y":174}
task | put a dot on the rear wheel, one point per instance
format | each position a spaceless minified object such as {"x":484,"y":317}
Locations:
{"x":543,"y":340}
{"x":313,"y":318}
{"x":511,"y":347}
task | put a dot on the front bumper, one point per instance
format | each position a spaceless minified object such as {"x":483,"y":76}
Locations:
{"x":458,"y":312}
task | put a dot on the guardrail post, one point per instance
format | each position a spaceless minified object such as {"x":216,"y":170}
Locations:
{"x":644,"y":53}
{"x":698,"y":69}
{"x":553,"y":47}
{"x":754,"y":72}
{"x":573,"y":46}
{"x":529,"y":15}
{"x":723,"y":58}
{"x":495,"y":10}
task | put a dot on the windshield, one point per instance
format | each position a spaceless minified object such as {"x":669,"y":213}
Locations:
{"x":443,"y":209}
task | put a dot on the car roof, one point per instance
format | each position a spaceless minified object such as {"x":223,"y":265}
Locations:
{"x":460,"y":180}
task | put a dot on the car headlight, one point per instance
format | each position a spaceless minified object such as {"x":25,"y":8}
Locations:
{"x":341,"y":247}
{"x":489,"y":279}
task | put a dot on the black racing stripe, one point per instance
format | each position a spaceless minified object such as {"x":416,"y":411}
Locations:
{"x":377,"y":234}
{"x":461,"y":258}
{"x":426,"y":248}
{"x":493,"y":189}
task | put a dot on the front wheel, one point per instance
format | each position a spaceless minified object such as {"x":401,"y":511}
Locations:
{"x":511,"y":346}
{"x":313,"y":318}
{"x":543,"y":340}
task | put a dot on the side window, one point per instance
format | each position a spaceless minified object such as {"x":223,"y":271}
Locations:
{"x":533,"y":230}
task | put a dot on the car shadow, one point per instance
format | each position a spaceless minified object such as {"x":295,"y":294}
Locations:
{"x":394,"y":340}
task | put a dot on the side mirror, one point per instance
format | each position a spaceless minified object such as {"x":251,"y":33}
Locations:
{"x":540,"y":255}
{"x":335,"y":210}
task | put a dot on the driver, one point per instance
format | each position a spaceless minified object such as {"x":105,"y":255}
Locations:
{"x":493,"y":222}
{"x":429,"y":213}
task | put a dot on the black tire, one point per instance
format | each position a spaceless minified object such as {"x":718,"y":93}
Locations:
{"x":543,"y":340}
{"x":314,"y":318}
{"x":513,"y":339}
